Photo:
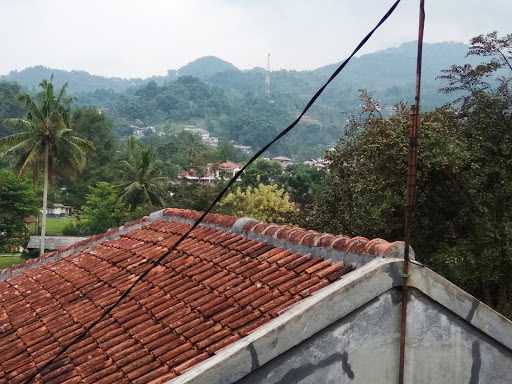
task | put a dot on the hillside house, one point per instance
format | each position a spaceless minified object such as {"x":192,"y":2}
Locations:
{"x":211,"y":173}
{"x":228,"y":169}
{"x":205,"y":176}
{"x":317,"y":163}
{"x":242,"y":148}
{"x":58,"y":209}
{"x":283,"y":161}
{"x":241,"y":301}
{"x":204,"y":135}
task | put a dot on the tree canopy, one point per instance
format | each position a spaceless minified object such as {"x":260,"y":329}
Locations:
{"x":17,"y":202}
{"x":463,"y":225}
{"x":265,"y":202}
{"x":142,"y":178}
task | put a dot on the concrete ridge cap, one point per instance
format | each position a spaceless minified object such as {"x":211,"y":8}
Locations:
{"x":461,"y":303}
{"x":357,"y":245}
{"x":302,"y":320}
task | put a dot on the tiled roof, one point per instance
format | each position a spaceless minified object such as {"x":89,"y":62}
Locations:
{"x":229,"y":165}
{"x":216,"y":288}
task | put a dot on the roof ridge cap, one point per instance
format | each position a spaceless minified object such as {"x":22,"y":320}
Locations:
{"x":288,"y":236}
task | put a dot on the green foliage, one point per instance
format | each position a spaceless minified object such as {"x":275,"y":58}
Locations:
{"x":9,"y":105}
{"x":183,"y":99}
{"x":303,"y":183}
{"x":183,"y":149}
{"x":102,"y":210}
{"x":365,"y":189}
{"x":265,"y":202}
{"x":143,"y":183}
{"x":186,"y":150}
{"x":194,"y":196}
{"x":261,"y":172}
{"x":47,"y":124}
{"x":7,"y":260}
{"x":255,"y":120}
{"x":95,"y":126}
{"x":226,"y":151}
{"x":56,"y":225}
{"x":17,"y":201}
{"x":463,"y":224}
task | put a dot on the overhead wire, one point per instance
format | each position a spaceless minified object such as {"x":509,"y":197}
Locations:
{"x":219,"y":196}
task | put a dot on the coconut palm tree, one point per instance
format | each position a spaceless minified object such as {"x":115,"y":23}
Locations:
{"x":143,"y":179}
{"x":44,"y":138}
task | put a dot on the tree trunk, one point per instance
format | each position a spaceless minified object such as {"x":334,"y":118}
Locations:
{"x":45,"y":202}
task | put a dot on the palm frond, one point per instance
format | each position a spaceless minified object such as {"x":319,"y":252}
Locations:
{"x":19,"y":124}
{"x":84,"y":144}
{"x":61,"y":93}
{"x":71,"y":158}
{"x":29,"y":159}
{"x":18,"y":146}
{"x":15,"y":139}
{"x":31,"y":106}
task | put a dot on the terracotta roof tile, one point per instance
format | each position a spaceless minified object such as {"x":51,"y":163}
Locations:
{"x":218,"y":287}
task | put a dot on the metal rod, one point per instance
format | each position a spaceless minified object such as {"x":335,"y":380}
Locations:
{"x":411,"y":191}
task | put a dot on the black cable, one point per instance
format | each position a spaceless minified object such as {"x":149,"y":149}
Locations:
{"x":223,"y":192}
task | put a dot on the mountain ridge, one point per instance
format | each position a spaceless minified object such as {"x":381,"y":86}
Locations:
{"x":208,"y":67}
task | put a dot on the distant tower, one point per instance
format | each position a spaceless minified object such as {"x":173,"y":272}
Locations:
{"x":267,"y":78}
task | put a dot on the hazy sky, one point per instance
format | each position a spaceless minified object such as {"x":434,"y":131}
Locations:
{"x":139,"y":38}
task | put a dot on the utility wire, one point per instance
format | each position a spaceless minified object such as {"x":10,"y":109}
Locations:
{"x":222,"y":193}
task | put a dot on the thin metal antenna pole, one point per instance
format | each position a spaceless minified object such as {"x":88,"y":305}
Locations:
{"x":411,"y":190}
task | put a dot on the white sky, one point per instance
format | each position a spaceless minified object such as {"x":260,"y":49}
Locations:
{"x":140,"y":38}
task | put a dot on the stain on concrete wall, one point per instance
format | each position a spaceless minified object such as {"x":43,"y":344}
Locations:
{"x":477,"y":363}
{"x":359,"y":349}
{"x":443,"y":348}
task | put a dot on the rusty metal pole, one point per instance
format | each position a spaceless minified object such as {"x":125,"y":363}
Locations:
{"x":411,"y":191}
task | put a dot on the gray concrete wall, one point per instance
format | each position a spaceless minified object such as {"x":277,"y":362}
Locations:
{"x":360,"y":348}
{"x":363,"y":348}
{"x":444,"y":348}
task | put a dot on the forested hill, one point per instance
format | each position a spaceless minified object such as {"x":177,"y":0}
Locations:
{"x":384,"y":71}
{"x":206,"y":67}
{"x":389,"y":75}
{"x":78,"y":81}
{"x":231,"y":103}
